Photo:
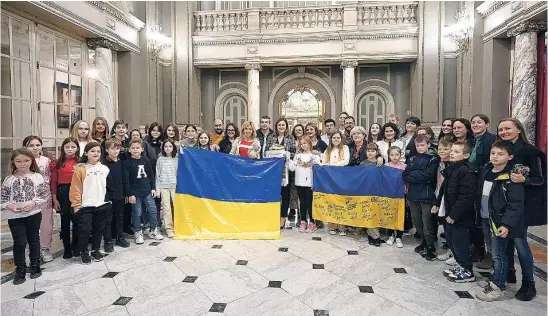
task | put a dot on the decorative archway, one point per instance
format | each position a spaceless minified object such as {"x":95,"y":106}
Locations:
{"x":231,"y":106}
{"x":302,"y":104}
{"x":374,"y":104}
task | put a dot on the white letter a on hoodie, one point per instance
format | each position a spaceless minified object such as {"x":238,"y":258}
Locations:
{"x":141,"y":172}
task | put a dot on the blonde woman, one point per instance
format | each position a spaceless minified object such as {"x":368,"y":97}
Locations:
{"x":336,"y":154}
{"x":81,"y":132}
{"x":247,"y":145}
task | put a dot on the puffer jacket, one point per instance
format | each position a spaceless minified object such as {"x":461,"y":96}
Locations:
{"x":459,"y":192}
{"x":421,"y":175}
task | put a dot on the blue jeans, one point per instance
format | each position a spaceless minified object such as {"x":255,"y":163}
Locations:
{"x":500,"y":261}
{"x":525,"y":257}
{"x":458,"y":237}
{"x":150,"y":210}
{"x":486,"y":234}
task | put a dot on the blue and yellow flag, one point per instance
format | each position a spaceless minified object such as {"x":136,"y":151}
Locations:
{"x":219,"y":196}
{"x":365,"y":196}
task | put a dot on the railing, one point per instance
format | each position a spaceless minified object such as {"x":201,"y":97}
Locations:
{"x":301,"y":18}
{"x":387,"y":14}
{"x":214,"y":21}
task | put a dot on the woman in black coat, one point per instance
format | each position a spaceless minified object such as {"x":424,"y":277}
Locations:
{"x":231,"y":133}
{"x":482,"y":142}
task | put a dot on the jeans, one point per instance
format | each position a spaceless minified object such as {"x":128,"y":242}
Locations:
{"x":487,"y":235}
{"x":500,"y":260}
{"x":167,"y":196}
{"x":114,"y":222}
{"x":457,"y":237}
{"x":305,"y":203}
{"x":525,"y":257}
{"x":422,"y":220}
{"x":67,"y":217}
{"x":150,"y":209}
{"x":91,"y":220}
{"x":26,"y":230}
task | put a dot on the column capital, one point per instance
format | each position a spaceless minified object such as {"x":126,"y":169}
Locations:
{"x":102,"y":42}
{"x":527,"y":27}
{"x":253,"y":66}
{"x":349,"y":64}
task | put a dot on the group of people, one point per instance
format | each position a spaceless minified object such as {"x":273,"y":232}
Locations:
{"x":484,"y":189}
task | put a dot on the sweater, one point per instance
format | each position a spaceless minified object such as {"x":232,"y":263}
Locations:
{"x":117,"y":175}
{"x":138,"y":177}
{"x":91,"y":186}
{"x":337,"y":157}
{"x":19,"y":191}
{"x":302,"y":165}
{"x":62,"y":175}
{"x":166,"y":172}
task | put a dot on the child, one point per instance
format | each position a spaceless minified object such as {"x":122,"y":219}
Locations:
{"x":420,"y":176}
{"x":457,"y":195}
{"x":114,"y":228}
{"x":24,"y":192}
{"x":372,"y":155}
{"x":302,"y":165}
{"x":80,"y":132}
{"x":166,"y":181}
{"x":34,"y":144}
{"x":204,"y":142}
{"x":91,"y":191}
{"x":503,"y":201}
{"x":139,"y":187}
{"x":119,"y":131}
{"x":62,"y":171}
{"x":394,"y":156}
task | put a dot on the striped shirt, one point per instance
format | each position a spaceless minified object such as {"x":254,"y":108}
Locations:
{"x":166,"y":172}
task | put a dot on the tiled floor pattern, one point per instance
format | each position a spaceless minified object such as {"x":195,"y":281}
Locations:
{"x":300,"y":274}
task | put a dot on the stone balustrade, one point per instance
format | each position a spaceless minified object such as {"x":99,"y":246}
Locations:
{"x":301,"y":18}
{"x":221,"y":21}
{"x":387,"y":14}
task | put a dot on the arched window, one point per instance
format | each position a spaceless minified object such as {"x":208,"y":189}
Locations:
{"x":235,"y":110}
{"x":372,"y":109}
{"x":302,"y":104}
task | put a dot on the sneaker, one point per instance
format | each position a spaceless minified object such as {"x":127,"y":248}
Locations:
{"x":46,"y":255}
{"x":464,"y":276}
{"x":67,"y":254}
{"x":170,"y":233}
{"x":96,"y":255}
{"x":527,"y":291}
{"x":342,"y":232}
{"x":451,"y":262}
{"x":122,"y":243}
{"x":399,"y":243}
{"x":445,"y":256}
{"x":302,"y":227}
{"x":420,"y":248}
{"x":390,"y":241}
{"x":155,"y":234}
{"x":20,"y":275}
{"x":35,"y":271}
{"x":85,"y":258}
{"x":430,"y":253}
{"x":139,"y":238}
{"x":332,"y":232}
{"x":491,"y":293}
{"x":109,"y":247}
{"x":311,"y":228}
{"x":455,"y":270}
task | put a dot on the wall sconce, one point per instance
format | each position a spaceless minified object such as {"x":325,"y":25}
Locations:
{"x":156,"y":40}
{"x":461,"y":32}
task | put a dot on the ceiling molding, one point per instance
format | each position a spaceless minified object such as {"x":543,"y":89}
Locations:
{"x":514,"y":20}
{"x":117,"y":13}
{"x":488,"y":7}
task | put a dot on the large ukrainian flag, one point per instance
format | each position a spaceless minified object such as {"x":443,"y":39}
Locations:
{"x":365,"y":196}
{"x":219,"y":196}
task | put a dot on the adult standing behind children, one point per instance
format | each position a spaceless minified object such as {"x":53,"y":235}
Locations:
{"x":231,"y":133}
{"x":247,"y":145}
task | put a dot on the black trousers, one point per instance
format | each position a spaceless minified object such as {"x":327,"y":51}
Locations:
{"x":67,"y":217}
{"x":127,"y":216}
{"x":91,"y":220}
{"x":305,"y":203}
{"x":286,"y":196}
{"x":114,"y":222}
{"x":26,"y":230}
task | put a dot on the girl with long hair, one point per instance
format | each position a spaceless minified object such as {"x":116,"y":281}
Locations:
{"x":100,"y":129}
{"x":374,"y":134}
{"x":231,"y":133}
{"x":80,"y":132}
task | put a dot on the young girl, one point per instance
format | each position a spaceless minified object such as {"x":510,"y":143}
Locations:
{"x":166,"y":181}
{"x":99,"y":129}
{"x":190,"y":137}
{"x":204,"y":142}
{"x":24,"y":192}
{"x":62,"y":171}
{"x":372,"y":154}
{"x":302,"y":165}
{"x":80,"y":132}
{"x":394,"y":156}
{"x":34,"y":144}
{"x":90,"y":194}
{"x":374,"y":134}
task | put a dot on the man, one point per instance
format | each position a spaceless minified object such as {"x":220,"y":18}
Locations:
{"x":217,"y":136}
{"x":349,"y":124}
{"x":263,"y":132}
{"x":329,"y":130}
{"x":342,"y":118}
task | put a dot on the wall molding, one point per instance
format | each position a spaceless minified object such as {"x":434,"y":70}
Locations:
{"x":489,"y":7}
{"x":109,"y":8}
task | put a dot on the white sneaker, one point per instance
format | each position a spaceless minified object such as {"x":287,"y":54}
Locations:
{"x":170,"y":234}
{"x":390,"y":241}
{"x":491,"y":293}
{"x":139,"y":238}
{"x":399,"y":243}
{"x":451,"y":262}
{"x":156,"y":234}
{"x":46,"y":255}
{"x":445,"y":256}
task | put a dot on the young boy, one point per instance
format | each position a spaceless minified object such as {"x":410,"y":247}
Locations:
{"x":457,"y":195}
{"x":114,"y":228}
{"x":139,"y":185}
{"x":502,"y":203}
{"x":420,"y":175}
{"x":395,"y":118}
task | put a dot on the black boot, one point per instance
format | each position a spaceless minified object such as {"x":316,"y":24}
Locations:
{"x":20,"y":273}
{"x":527,"y":291}
{"x":35,"y":270}
{"x":67,"y":254}
{"x":420,"y":248}
{"x":511,"y":276}
{"x":430,"y":253}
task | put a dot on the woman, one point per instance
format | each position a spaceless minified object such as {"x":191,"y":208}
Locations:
{"x":298,"y":133}
{"x":357,"y":151}
{"x":462,"y":130}
{"x":480,"y":152}
{"x":282,"y":139}
{"x":154,"y":140}
{"x":231,"y":133}
{"x":172,"y":132}
{"x":318,"y":144}
{"x":446,"y":128}
{"x":374,"y":133}
{"x":204,"y":142}
{"x":388,"y":135}
{"x":411,"y":125}
{"x":336,"y":154}
{"x":190,"y":137}
{"x":534,"y":184}
{"x":80,"y":132}
{"x":247,"y":145}
{"x":99,"y":129}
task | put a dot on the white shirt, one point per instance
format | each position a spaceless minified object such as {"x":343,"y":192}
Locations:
{"x":303,"y":174}
{"x":384,"y":146}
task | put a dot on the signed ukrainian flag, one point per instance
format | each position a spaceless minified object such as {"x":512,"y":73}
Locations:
{"x":365,"y":196}
{"x":219,"y":196}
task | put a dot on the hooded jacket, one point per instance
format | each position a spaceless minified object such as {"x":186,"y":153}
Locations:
{"x":421,"y":175}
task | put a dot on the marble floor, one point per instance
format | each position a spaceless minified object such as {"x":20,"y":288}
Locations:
{"x":300,"y":274}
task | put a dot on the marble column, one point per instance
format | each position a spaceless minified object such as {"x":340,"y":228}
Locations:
{"x":253,"y":93}
{"x":524,"y":81}
{"x":349,"y":86}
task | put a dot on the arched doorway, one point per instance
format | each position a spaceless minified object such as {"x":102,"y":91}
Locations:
{"x":234,"y":109}
{"x":374,"y":106}
{"x":302,"y":104}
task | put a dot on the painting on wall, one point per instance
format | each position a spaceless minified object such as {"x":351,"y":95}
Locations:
{"x":63,"y":105}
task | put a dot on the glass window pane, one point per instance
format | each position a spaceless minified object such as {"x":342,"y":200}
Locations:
{"x":75,"y":58}
{"x":75,"y":90}
{"x":62,"y":88}
{"x":6,"y":128}
{"x":7,"y":146}
{"x":47,"y":78}
{"x":47,"y":41}
{"x":21,"y":44}
{"x":6,"y":76}
{"x":21,"y":79}
{"x":47,"y":120}
{"x":75,"y":114}
{"x":48,"y":145}
{"x":61,"y":54}
{"x":5,"y":35}
{"x":63,"y":116}
{"x":22,"y":114}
